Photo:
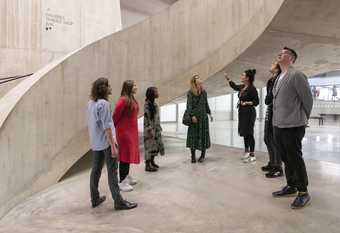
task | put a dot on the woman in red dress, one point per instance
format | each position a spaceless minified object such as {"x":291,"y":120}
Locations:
{"x":125,"y":121}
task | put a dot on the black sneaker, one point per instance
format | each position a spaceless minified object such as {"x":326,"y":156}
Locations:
{"x":99,"y":201}
{"x":274,"y":173}
{"x":301,"y":201}
{"x":125,"y":205}
{"x":266,"y":168}
{"x":285,"y":192}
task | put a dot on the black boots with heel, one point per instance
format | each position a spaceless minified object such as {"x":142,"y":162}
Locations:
{"x":202,"y":157}
{"x":149,"y":167}
{"x":153,"y":162}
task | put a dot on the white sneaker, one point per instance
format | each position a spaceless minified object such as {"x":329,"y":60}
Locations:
{"x":250,"y":159}
{"x":124,"y":186}
{"x":131,"y":181}
{"x":245,"y":156}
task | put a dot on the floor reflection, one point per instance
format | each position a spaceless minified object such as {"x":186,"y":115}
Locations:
{"x":320,"y":143}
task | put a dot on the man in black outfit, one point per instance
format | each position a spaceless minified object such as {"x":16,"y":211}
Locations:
{"x":292,"y":106}
{"x":274,"y":167}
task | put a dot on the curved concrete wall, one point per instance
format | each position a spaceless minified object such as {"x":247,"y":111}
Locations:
{"x":309,"y":26}
{"x":42,"y":121}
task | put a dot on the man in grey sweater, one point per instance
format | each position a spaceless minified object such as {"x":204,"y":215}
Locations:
{"x":292,"y":106}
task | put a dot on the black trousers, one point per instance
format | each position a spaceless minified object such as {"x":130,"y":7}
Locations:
{"x":288,"y":141}
{"x":274,"y":156}
{"x":124,"y":169}
{"x":249,"y":143}
{"x":97,"y":165}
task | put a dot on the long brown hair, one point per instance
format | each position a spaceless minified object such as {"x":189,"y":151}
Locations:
{"x":127,"y":92}
{"x":193,"y":85}
{"x":100,"y":89}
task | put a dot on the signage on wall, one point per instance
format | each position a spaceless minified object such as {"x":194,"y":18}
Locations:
{"x":61,"y":30}
{"x":54,"y":19}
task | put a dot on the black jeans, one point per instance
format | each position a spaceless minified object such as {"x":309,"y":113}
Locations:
{"x":274,"y":156}
{"x":249,"y":143}
{"x":124,"y":169}
{"x":111,"y":165}
{"x":288,"y":141}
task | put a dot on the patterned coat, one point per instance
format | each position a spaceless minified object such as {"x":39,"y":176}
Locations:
{"x":153,"y":143}
{"x":198,"y":134}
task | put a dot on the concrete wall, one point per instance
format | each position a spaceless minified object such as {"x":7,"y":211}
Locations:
{"x":42,"y":120}
{"x":35,"y":32}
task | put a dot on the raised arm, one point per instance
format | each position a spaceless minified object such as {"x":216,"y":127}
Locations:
{"x":235,"y":86}
{"x":232,"y":84}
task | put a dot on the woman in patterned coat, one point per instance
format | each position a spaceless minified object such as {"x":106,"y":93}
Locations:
{"x":153,"y":143}
{"x":198,"y":137}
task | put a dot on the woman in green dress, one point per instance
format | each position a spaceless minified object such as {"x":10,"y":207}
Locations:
{"x":198,"y":137}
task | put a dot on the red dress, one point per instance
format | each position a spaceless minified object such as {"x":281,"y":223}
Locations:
{"x":127,"y":131}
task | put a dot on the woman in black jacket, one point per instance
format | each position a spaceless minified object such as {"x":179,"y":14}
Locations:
{"x":274,"y":167}
{"x":248,"y":100}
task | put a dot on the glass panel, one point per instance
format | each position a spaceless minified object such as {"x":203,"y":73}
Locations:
{"x":168,"y":113}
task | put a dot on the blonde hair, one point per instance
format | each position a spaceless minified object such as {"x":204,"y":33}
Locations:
{"x":193,"y":85}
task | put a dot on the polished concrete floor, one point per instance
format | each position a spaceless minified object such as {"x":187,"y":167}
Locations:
{"x":321,"y":143}
{"x":221,"y":195}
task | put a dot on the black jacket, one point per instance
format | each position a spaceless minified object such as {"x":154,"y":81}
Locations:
{"x":246,"y":114}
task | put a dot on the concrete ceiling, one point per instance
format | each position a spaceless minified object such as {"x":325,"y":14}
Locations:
{"x":309,"y":26}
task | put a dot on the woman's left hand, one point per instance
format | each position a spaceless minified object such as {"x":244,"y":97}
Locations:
{"x":245,"y":103}
{"x":151,"y":133}
{"x":211,"y":118}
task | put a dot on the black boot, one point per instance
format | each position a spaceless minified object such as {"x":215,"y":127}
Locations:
{"x":153,"y":162}
{"x":149,"y":167}
{"x":202,"y":157}
{"x":193,"y":156}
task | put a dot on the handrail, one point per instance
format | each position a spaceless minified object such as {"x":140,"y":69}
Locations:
{"x":13,"y":78}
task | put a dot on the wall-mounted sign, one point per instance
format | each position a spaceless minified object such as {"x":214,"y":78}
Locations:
{"x":61,"y":20}
{"x":54,"y":19}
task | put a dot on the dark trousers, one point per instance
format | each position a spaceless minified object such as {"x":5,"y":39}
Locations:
{"x":249,"y":143}
{"x":124,"y":169}
{"x":288,"y":141}
{"x":97,"y":166}
{"x":274,"y":156}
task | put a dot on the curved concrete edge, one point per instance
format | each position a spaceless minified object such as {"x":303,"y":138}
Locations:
{"x":43,"y":126}
{"x":309,"y":26}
